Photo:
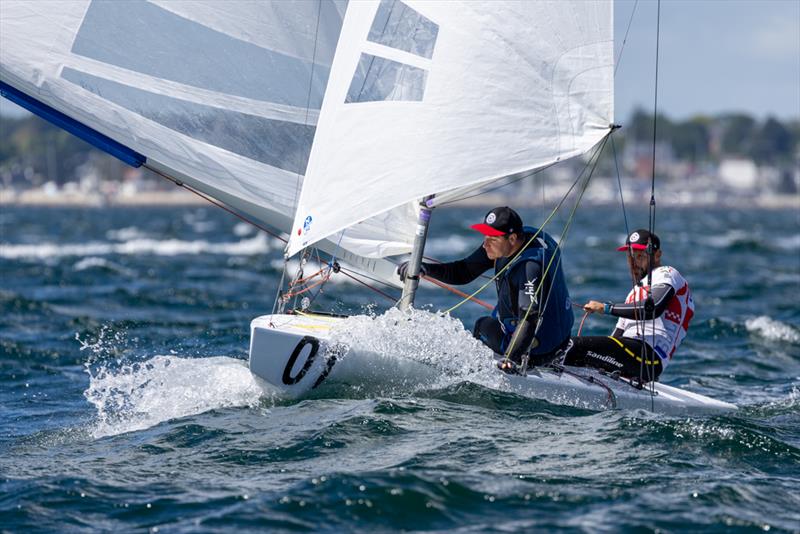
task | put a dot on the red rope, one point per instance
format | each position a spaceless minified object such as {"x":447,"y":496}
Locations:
{"x":585,"y":315}
{"x":307,"y":288}
{"x":375,"y":289}
{"x":309,"y":277}
{"x":217,"y":204}
{"x":457,"y":292}
{"x":263,"y":229}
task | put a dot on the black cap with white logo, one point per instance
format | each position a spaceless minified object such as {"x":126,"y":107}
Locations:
{"x":500,"y":221}
{"x":638,"y":241}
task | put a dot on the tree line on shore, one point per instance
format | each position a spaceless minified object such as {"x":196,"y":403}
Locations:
{"x":33,"y":150}
{"x":704,"y":138}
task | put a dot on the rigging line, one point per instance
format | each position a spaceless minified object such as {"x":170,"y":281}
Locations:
{"x":308,"y":287}
{"x":527,"y":174}
{"x":330,"y":269}
{"x":278,"y":293}
{"x":547,"y":220}
{"x":336,"y":250}
{"x":583,"y":320}
{"x":533,"y":237}
{"x":625,"y":39}
{"x":368,"y":277}
{"x":564,"y":233}
{"x":308,"y":95}
{"x":612,"y":398}
{"x":295,"y":201}
{"x":375,"y":289}
{"x":652,"y":221}
{"x":456,"y":291}
{"x":214,"y":202}
{"x":562,"y":239}
{"x":619,"y":184}
{"x":309,"y":277}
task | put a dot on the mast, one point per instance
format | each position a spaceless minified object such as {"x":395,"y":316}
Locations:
{"x":414,"y":264}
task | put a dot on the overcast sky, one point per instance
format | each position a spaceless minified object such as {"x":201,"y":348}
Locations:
{"x":715,"y":56}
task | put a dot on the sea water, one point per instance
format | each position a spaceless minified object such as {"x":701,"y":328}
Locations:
{"x":126,"y":403}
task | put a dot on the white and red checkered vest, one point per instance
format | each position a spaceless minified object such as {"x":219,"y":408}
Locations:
{"x":670,"y":328}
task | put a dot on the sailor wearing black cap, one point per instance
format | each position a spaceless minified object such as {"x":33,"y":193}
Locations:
{"x":652,"y":322}
{"x":532,"y":318}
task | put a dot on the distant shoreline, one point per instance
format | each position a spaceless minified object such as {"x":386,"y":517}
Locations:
{"x":34,"y":197}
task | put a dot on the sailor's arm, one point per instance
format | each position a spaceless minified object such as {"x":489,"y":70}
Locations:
{"x":461,"y":271}
{"x":662,"y":293}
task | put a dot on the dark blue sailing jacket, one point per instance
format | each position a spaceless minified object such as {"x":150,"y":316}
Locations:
{"x":519,"y":289}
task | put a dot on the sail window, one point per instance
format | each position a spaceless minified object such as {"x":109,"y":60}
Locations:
{"x":378,"y":79}
{"x":143,"y":37}
{"x":281,"y":144}
{"x":398,"y":26}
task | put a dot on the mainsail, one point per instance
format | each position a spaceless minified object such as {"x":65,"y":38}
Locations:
{"x":324,"y":119}
{"x":222,"y":96}
{"x":426,"y":97}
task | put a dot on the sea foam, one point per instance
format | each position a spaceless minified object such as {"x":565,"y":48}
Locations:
{"x":141,"y":395}
{"x":135,"y":395}
{"x":771,"y":329}
{"x":434,"y":339}
{"x":258,"y":244}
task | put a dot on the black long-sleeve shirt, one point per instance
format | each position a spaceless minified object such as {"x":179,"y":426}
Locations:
{"x":519,"y":299}
{"x":661,"y":293}
{"x":461,"y":271}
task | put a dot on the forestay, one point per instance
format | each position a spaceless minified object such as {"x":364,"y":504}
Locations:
{"x":429,"y":96}
{"x":223,"y":96}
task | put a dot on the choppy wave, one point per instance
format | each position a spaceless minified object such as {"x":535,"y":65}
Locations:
{"x":199,"y":222}
{"x":771,"y":329}
{"x":140,"y":395}
{"x":242,"y":229}
{"x":258,"y":244}
{"x":93,"y":262}
{"x":134,"y":395}
{"x":126,"y":234}
{"x":739,"y":238}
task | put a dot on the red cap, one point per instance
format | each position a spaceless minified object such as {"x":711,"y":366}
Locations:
{"x":634,"y":246}
{"x":485,"y":229}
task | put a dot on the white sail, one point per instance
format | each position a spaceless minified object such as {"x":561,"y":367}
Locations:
{"x":431,"y":96}
{"x":223,"y":96}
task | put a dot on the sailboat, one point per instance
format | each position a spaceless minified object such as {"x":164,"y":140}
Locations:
{"x":336,"y":125}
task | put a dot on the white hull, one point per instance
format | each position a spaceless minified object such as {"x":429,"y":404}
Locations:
{"x":291,"y":353}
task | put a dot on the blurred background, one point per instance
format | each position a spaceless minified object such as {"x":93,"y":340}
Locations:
{"x":728,"y":122}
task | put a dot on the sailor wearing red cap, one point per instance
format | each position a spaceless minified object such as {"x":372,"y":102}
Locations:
{"x":652,"y":322}
{"x":533,"y":317}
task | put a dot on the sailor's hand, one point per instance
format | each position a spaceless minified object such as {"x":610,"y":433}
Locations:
{"x":509,"y":367}
{"x":594,"y":306}
{"x":402,"y":270}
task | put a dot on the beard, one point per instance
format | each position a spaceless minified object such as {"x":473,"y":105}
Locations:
{"x":638,"y":273}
